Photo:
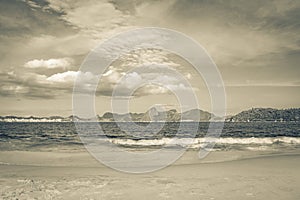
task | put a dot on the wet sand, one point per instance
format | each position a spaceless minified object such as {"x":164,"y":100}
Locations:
{"x":222,"y":175}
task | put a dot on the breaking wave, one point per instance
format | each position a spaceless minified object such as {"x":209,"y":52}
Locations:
{"x":202,"y":142}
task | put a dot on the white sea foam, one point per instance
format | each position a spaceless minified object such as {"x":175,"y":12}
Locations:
{"x":201,"y":142}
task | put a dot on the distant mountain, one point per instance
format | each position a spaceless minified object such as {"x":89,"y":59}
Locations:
{"x":151,"y":115}
{"x":193,"y":115}
{"x":155,"y":115}
{"x":254,"y":114}
{"x":266,"y":114}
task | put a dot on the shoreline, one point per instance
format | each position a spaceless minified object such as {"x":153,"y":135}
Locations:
{"x":81,"y":157}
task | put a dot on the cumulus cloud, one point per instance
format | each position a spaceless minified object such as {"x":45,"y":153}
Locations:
{"x":144,"y":80}
{"x":131,"y":80}
{"x":34,"y":85}
{"x":64,"y":77}
{"x":53,"y":63}
{"x":148,"y":71}
{"x":112,"y":75}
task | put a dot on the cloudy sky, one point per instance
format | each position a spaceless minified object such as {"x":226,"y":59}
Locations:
{"x":255,"y":44}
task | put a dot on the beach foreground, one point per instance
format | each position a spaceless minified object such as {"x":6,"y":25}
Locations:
{"x":222,"y":175}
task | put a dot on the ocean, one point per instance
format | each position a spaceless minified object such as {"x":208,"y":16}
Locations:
{"x":51,"y":136}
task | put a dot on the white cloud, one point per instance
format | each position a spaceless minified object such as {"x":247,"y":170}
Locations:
{"x":131,"y":80}
{"x":150,"y":57}
{"x":35,"y":85}
{"x":153,"y":89}
{"x":70,"y":76}
{"x":159,"y":80}
{"x":188,"y":75}
{"x":63,"y":63}
{"x":112,"y":75}
{"x":144,"y":66}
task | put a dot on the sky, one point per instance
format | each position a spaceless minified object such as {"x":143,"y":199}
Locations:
{"x":255,"y":45}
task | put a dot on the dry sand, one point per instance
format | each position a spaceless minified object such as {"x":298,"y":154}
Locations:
{"x":222,"y":175}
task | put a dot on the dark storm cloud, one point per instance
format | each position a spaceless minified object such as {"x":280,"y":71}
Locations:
{"x":276,"y":17}
{"x":256,"y":41}
{"x":249,"y":13}
{"x":19,"y":19}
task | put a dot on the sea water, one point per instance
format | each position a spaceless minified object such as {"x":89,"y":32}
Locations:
{"x":63,"y":135}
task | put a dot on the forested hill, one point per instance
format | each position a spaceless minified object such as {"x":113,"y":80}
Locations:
{"x":267,"y":114}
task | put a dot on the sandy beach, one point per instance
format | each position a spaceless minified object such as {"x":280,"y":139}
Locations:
{"x":221,"y":175}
